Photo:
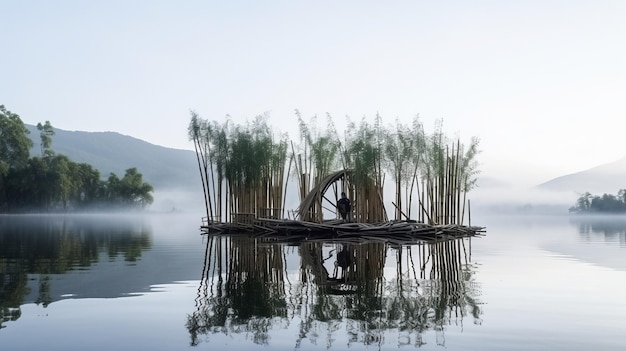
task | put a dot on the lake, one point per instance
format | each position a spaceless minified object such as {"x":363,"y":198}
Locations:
{"x":152,"y":282}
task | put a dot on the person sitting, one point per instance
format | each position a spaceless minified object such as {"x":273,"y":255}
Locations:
{"x":343,"y":205}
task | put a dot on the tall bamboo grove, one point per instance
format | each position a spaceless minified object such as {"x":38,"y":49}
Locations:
{"x":363,"y":152}
{"x":245,"y":169}
{"x":316,"y":157}
{"x":242,"y":168}
{"x":448,"y":174}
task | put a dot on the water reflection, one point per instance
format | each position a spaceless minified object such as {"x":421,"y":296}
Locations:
{"x":34,"y":247}
{"x":609,"y":229}
{"x":328,"y":292}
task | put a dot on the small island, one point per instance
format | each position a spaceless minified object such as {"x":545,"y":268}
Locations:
{"x":607,"y":203}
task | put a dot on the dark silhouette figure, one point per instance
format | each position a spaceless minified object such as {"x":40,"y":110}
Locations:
{"x":343,"y":205}
{"x":343,"y":258}
{"x":344,"y":261}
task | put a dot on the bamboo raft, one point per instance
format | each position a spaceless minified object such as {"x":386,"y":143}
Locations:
{"x":294,"y":231}
{"x":245,"y":172}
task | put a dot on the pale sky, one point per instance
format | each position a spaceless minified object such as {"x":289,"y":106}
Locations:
{"x":541,"y":83}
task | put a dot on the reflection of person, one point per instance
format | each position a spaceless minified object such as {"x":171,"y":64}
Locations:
{"x":343,"y":205}
{"x":343,"y":258}
{"x":344,"y":261}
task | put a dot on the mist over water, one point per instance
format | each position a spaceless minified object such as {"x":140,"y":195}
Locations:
{"x":509,"y":199}
{"x":137,"y":278}
{"x":178,"y":200}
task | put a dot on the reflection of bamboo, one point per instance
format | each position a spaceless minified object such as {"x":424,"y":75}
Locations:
{"x":442,"y":260}
{"x":254,"y":284}
{"x":369,"y":262}
{"x":447,"y":274}
{"x":412,"y":306}
{"x":445,"y":260}
{"x":252,"y":265}
{"x":447,"y":294}
{"x":311,"y":263}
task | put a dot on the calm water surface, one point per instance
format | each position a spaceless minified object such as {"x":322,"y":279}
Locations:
{"x":104,"y":282}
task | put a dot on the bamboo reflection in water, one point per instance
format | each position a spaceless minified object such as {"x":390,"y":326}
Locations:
{"x":326,"y":301}
{"x":245,"y":290}
{"x":241,"y":290}
{"x":444,"y":294}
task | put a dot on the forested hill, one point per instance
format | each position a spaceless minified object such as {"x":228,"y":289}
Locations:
{"x":162,"y":167}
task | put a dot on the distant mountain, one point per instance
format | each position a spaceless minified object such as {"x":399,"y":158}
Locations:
{"x":604,"y":179}
{"x":110,"y":152}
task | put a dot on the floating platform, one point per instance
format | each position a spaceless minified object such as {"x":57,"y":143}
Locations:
{"x":290,"y":231}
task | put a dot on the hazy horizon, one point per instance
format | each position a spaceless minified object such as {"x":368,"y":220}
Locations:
{"x":491,"y":194}
{"x":539,"y":83}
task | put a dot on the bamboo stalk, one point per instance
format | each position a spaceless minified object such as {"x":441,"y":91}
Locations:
{"x":246,"y":164}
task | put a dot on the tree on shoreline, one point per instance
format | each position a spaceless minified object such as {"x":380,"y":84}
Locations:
{"x":607,"y":203}
{"x":46,"y":133}
{"x":14,"y":141}
{"x":53,"y":181}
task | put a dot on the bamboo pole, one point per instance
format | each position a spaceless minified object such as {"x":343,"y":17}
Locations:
{"x":251,"y":172}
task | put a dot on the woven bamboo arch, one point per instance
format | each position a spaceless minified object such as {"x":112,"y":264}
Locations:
{"x":310,"y":209}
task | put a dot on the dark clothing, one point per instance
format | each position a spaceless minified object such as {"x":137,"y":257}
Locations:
{"x":343,"y":205}
{"x":343,"y":259}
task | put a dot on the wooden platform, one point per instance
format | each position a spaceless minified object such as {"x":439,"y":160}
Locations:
{"x":399,"y":232}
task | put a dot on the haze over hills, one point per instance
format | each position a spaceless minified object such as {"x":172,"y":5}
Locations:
{"x":555,"y":196}
{"x":175,"y":177}
{"x":604,"y":179}
{"x":173,"y":173}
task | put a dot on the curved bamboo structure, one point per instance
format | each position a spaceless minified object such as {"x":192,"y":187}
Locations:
{"x":245,"y":171}
{"x":310,"y":209}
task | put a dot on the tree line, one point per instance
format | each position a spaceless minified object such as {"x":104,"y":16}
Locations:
{"x":52,"y":182}
{"x":607,"y":203}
